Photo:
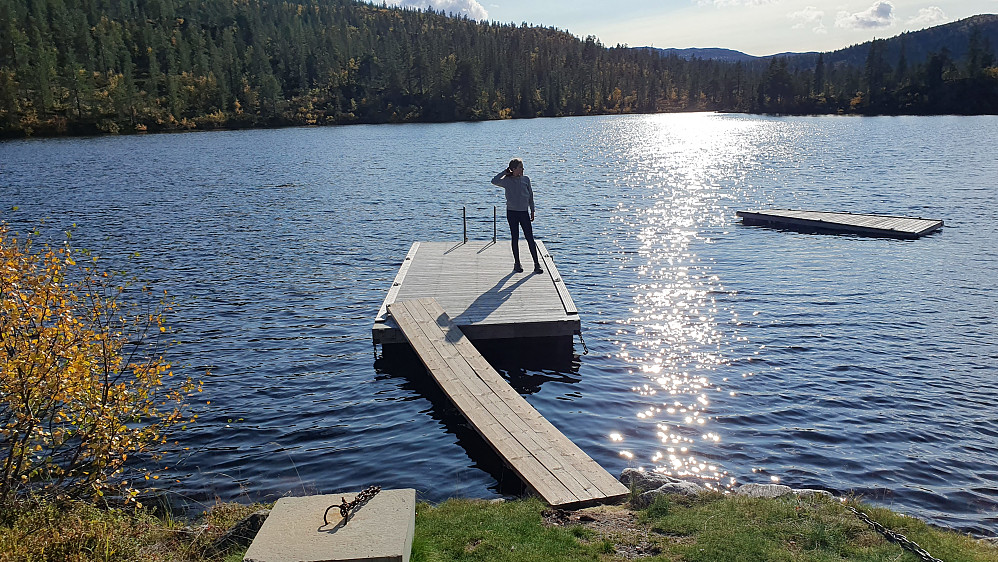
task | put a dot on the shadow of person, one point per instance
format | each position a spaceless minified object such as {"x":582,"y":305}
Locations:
{"x":489,"y":301}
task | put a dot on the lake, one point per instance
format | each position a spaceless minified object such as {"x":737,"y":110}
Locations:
{"x":722,"y":353}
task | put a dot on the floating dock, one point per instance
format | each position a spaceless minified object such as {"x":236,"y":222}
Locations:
{"x":551,"y":464}
{"x":475,"y":284}
{"x":844,"y":223}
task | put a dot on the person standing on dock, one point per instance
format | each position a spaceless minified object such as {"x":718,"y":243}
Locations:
{"x":519,"y":210}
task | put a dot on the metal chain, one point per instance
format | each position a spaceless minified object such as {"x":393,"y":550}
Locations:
{"x":903,"y":541}
{"x":584,"y":348}
{"x":346,"y":507}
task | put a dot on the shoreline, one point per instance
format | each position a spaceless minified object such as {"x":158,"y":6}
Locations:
{"x":673,"y":527}
{"x":60,"y":130}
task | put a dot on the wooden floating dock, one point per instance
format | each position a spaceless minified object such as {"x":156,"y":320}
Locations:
{"x":555,"y":467}
{"x":475,"y":284}
{"x":845,"y":223}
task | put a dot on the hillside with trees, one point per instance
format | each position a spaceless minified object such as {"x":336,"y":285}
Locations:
{"x":117,"y":66}
{"x":918,"y":46}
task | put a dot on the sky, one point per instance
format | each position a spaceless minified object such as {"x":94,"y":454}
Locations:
{"x":756,"y":27}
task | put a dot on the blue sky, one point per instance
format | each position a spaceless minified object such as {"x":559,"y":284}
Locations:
{"x":757,"y":27}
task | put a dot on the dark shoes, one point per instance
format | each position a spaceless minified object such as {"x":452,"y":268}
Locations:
{"x":517,"y":268}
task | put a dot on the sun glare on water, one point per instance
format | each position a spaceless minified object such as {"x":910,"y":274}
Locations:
{"x":672,"y":339}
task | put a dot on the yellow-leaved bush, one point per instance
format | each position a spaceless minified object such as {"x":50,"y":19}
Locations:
{"x":83,"y":384}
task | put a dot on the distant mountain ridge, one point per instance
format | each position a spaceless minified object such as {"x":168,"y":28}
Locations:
{"x":720,"y":54}
{"x":710,"y":53}
{"x":918,"y":45}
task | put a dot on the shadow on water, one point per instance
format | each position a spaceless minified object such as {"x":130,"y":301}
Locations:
{"x":513,"y":357}
{"x":518,"y":361}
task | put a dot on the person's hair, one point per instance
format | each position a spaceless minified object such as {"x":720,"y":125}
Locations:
{"x":514,"y":164}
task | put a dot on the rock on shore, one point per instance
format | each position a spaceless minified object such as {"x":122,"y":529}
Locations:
{"x":650,"y":485}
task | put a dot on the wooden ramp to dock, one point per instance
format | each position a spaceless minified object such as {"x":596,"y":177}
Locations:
{"x":847,"y":223}
{"x":555,"y":467}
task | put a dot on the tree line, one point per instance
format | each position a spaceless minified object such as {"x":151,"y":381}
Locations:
{"x":91,"y":66}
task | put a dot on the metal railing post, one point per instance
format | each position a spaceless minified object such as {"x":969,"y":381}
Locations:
{"x":464,"y":211}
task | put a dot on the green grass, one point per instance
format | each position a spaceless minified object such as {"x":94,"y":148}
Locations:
{"x":509,"y":531}
{"x":710,"y":527}
{"x":794,"y":529}
{"x":33,"y":531}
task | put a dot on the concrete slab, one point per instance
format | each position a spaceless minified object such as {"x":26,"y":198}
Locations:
{"x":379,"y":531}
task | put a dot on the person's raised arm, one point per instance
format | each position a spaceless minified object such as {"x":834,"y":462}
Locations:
{"x":500,"y":176}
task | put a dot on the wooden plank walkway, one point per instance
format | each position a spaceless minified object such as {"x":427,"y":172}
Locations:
{"x":864,"y":225}
{"x":555,"y":467}
{"x":475,"y":283}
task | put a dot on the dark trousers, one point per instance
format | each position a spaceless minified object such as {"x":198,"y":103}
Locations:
{"x":518,"y":220}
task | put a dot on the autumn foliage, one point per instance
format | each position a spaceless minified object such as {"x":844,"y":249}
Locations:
{"x":83,"y":385}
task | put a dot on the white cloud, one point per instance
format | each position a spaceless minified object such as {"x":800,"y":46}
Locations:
{"x":469,"y":8}
{"x":927,"y":17}
{"x":879,"y":15}
{"x":809,"y":17}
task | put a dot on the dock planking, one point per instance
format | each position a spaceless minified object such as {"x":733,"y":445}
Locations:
{"x":551,"y":464}
{"x":474,"y":282}
{"x":845,"y":223}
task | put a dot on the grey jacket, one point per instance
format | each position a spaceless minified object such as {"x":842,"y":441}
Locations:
{"x":519,"y":195}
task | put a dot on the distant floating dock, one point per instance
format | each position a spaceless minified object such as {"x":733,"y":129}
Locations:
{"x":842,"y":223}
{"x":475,"y":284}
{"x":555,"y":467}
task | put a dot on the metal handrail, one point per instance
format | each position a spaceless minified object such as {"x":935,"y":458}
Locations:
{"x":495,"y":220}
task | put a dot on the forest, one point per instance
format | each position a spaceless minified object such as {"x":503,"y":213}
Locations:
{"x":72,"y":67}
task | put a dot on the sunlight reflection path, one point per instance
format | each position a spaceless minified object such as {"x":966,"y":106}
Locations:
{"x":672,"y":338}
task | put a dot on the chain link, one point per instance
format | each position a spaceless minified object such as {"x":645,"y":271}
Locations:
{"x":346,"y":507}
{"x":897,"y":538}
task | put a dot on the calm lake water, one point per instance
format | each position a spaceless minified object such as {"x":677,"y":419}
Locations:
{"x":723,"y":353}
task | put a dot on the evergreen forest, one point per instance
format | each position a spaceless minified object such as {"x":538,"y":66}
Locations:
{"x":122,"y":66}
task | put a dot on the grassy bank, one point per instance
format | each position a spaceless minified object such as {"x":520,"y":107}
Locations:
{"x":77,"y":531}
{"x":705,"y":528}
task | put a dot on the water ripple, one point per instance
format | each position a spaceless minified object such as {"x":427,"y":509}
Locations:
{"x":718,"y":352}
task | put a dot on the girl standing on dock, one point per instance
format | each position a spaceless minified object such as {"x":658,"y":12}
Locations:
{"x":519,"y":200}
